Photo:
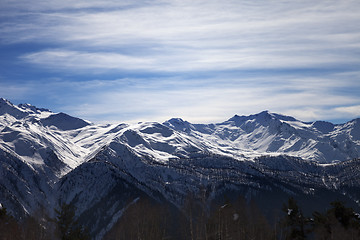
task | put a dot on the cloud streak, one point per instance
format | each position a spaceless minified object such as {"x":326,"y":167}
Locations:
{"x":130,"y":100}
{"x":194,"y":36}
{"x":200,"y":60}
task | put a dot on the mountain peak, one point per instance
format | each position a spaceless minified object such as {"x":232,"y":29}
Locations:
{"x":6,"y":107}
{"x":29,"y":107}
{"x":4,"y":101}
{"x":282,"y":117}
{"x":21,"y":110}
{"x":179,"y":124}
{"x":176,"y":122}
{"x":64,"y":122}
{"x":265,"y":112}
{"x":263,"y":115}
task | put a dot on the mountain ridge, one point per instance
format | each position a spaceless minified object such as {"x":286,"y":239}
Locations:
{"x":49,"y":158}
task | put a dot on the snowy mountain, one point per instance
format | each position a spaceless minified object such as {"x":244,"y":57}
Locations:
{"x":47,"y":158}
{"x":273,"y":134}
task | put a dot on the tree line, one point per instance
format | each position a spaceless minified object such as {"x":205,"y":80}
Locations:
{"x":148,"y":219}
{"x":41,"y":227}
{"x":238,"y":220}
{"x":338,"y":222}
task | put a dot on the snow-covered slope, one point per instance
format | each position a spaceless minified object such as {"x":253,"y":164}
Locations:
{"x":28,"y":132}
{"x":37,"y":148}
{"x":273,"y":134}
{"x":49,"y":157}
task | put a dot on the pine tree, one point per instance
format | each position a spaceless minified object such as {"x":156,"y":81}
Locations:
{"x":294,"y":222}
{"x":339,"y":222}
{"x":69,"y":228}
{"x":9,"y":228}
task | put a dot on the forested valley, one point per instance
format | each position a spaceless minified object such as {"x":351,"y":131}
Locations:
{"x":148,"y":219}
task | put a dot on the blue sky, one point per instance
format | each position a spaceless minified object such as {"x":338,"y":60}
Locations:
{"x":203,"y":61}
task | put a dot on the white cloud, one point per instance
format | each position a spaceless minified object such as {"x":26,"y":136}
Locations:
{"x":186,"y":38}
{"x":13,"y":91}
{"x":201,"y":103}
{"x":353,"y":111}
{"x":208,"y":100}
{"x":197,"y":60}
{"x":86,"y":60}
{"x":191,"y":35}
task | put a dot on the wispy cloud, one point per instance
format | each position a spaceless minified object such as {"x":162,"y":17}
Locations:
{"x":353,"y":111}
{"x":14,"y":91}
{"x":188,"y":35}
{"x":74,"y":60}
{"x":200,"y":60}
{"x":212,"y":99}
{"x":159,"y":99}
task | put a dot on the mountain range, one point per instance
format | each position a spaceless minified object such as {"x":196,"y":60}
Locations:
{"x":50,"y":158}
